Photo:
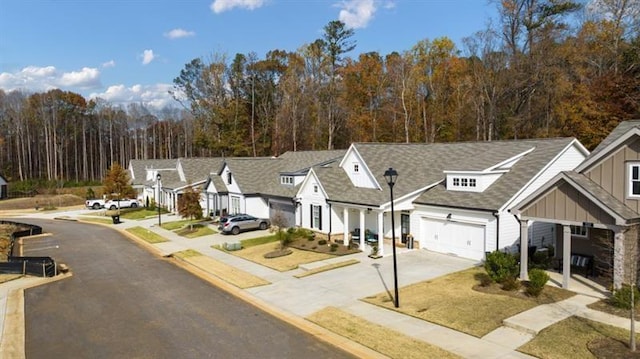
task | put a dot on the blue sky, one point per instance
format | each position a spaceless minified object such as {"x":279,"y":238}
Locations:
{"x":131,"y":50}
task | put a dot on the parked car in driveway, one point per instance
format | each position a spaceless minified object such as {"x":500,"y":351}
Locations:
{"x":94,"y":203}
{"x":242,"y":222}
{"x":121,"y":203}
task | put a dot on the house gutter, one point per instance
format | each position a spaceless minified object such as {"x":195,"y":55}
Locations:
{"x":329,"y":234}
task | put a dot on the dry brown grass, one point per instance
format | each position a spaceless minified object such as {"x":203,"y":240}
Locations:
{"x":451,"y":301}
{"x":42,"y":201}
{"x":282,"y":264}
{"x":572,"y":337}
{"x":229,"y":274}
{"x":373,"y":336}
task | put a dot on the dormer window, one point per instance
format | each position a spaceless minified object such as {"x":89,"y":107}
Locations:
{"x":472,"y":182}
{"x":464,"y":182}
{"x":315,"y":188}
{"x":634,"y":179}
{"x":356,"y":168}
{"x":456,"y":182}
{"x":286,"y":180}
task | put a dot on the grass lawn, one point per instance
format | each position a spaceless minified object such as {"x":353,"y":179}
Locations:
{"x":102,"y":220}
{"x":138,"y":213}
{"x":451,"y":301}
{"x":373,"y":336}
{"x":574,"y":337}
{"x":256,"y":254}
{"x":146,"y":235}
{"x":198,"y":230}
{"x":229,"y":274}
{"x":251,"y":242}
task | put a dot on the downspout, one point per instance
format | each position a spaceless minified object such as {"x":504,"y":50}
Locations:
{"x":497,"y":215}
{"x":329,"y":234}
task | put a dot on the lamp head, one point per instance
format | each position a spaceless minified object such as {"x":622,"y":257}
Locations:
{"x":390,"y":175}
{"x":158,"y":177}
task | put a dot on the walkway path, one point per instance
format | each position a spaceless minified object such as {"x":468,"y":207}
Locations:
{"x":342,"y":288}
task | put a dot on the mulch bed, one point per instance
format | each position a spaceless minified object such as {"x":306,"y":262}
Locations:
{"x":312,"y":245}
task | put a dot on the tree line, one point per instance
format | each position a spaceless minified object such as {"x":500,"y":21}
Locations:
{"x":546,"y":68}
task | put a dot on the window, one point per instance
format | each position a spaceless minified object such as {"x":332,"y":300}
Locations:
{"x":578,"y":231}
{"x":229,"y":178}
{"x":456,"y":182}
{"x":356,"y":168}
{"x":472,"y":182}
{"x":634,"y":180}
{"x":464,"y":182}
{"x":235,"y":205}
{"x":315,"y":188}
{"x":286,"y":179}
{"x":316,"y":217}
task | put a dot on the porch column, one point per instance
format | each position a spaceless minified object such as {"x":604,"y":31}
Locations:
{"x":524,"y":250}
{"x":618,"y":259}
{"x":380,"y":233}
{"x":345,"y":225}
{"x":566,"y":256}
{"x":362,"y":230}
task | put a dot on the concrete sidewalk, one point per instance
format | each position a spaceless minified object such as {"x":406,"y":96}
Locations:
{"x":288,"y":296}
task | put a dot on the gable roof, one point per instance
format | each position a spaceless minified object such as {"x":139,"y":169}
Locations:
{"x":139,"y":168}
{"x":592,"y":191}
{"x":542,"y":151}
{"x":421,"y":167}
{"x":261,"y":175}
{"x":619,"y":135}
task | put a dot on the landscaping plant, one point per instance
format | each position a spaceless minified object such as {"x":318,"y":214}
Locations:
{"x":538,"y":278}
{"x":501,"y":267}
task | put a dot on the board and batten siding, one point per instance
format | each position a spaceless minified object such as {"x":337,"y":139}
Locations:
{"x":565,"y":203}
{"x":611,"y":173}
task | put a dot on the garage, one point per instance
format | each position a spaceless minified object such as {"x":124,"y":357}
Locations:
{"x":462,"y":239}
{"x":286,"y":210}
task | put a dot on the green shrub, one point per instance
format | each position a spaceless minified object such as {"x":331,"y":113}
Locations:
{"x":540,"y":260}
{"x":501,"y":266}
{"x":322,"y":242}
{"x":538,"y":278}
{"x":621,"y":298}
{"x":334,"y":247}
{"x":510,"y":283}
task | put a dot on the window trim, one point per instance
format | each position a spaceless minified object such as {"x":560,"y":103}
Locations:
{"x":579,"y":231}
{"x":631,"y":166}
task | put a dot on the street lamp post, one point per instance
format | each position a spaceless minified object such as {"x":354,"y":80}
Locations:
{"x":158,"y":177}
{"x":391,"y":175}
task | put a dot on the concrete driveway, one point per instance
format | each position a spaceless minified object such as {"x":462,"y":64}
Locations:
{"x":343,"y":286}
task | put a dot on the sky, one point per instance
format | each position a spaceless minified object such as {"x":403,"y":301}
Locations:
{"x":131,"y":50}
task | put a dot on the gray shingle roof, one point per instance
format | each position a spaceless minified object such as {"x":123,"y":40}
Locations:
{"x":262,"y":175}
{"x":620,"y":130}
{"x":199,"y":169}
{"x":421,"y":165}
{"x":509,"y":183}
{"x":140,"y":168}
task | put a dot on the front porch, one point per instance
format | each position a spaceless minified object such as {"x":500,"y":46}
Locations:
{"x":579,"y":284}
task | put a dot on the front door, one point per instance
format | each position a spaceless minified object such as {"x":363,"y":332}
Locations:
{"x":404,"y":227}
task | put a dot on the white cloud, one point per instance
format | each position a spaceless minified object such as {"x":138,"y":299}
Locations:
{"x":356,"y":13}
{"x":178,"y":33}
{"x":109,"y":64}
{"x":219,"y":6}
{"x":156,"y":96}
{"x":147,"y":57}
{"x":36,"y":79}
{"x":85,"y":78}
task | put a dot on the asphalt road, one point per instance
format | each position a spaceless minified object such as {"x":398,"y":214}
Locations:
{"x":123,"y":302}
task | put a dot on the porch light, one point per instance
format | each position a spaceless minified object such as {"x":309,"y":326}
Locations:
{"x":391,"y":176}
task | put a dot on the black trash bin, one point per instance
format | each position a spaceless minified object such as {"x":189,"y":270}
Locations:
{"x":409,"y":242}
{"x":116,"y":218}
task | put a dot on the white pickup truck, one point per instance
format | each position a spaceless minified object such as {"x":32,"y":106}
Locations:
{"x":94,"y":203}
{"x":121,"y":203}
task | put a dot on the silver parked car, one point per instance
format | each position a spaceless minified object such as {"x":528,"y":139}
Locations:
{"x":243,"y":222}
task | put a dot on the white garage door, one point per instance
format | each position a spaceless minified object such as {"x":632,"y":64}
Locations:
{"x":462,"y":239}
